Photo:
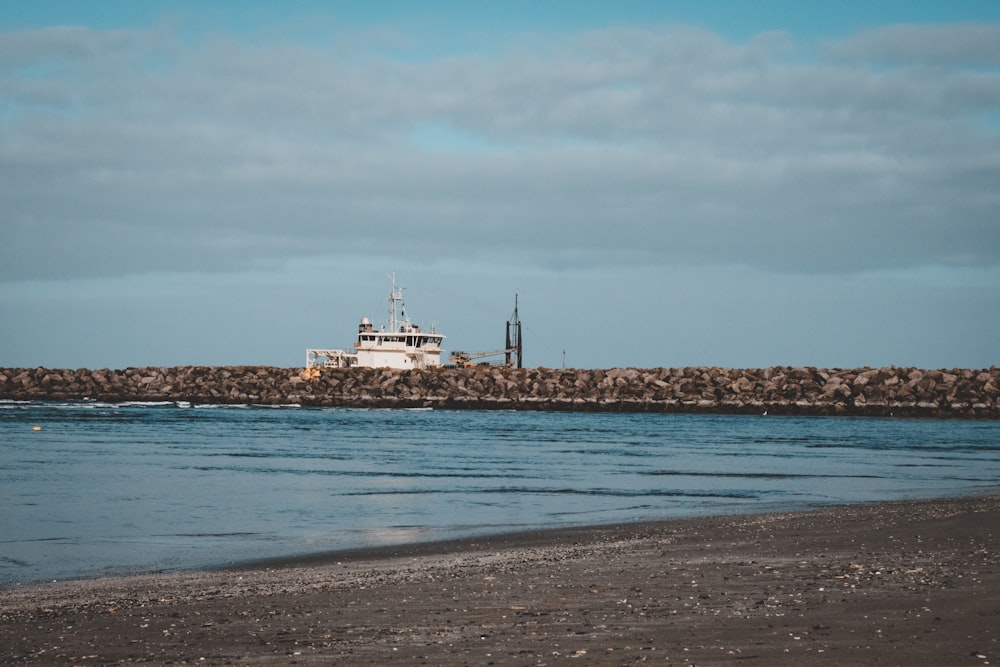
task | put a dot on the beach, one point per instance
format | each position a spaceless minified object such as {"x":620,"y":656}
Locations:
{"x":902,"y":583}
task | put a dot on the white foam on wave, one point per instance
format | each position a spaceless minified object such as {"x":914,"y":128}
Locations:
{"x":145,"y":404}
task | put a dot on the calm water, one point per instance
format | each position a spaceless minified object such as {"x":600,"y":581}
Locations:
{"x":112,"y":489}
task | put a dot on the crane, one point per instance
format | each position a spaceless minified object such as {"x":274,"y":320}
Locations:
{"x":512,"y":353}
{"x":466,"y":359}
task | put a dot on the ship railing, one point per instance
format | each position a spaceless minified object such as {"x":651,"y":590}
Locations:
{"x":330,"y":359}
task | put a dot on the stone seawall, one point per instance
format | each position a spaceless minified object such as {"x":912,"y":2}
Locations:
{"x":900,"y":392}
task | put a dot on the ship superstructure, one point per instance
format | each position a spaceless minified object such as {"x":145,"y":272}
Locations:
{"x":399,"y":344}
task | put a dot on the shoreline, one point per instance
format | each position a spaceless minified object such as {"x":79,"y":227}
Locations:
{"x":908,"y":582}
{"x":531,"y":537}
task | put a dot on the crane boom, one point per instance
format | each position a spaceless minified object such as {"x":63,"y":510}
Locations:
{"x":466,"y":358}
{"x":511,"y":353}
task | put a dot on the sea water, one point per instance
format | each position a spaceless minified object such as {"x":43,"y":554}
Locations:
{"x":90,"y":488}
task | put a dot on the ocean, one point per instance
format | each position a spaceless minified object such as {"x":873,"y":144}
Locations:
{"x":92,"y":489}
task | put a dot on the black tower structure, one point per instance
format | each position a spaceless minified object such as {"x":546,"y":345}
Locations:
{"x":513,"y":337}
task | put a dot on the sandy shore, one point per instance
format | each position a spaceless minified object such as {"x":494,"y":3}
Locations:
{"x":890,"y":584}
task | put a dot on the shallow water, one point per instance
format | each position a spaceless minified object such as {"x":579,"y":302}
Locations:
{"x":118,"y":488}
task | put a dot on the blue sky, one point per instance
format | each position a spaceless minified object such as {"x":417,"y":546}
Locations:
{"x":662,"y":184}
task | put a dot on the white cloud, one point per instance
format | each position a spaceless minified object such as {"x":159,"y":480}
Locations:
{"x":934,"y":45}
{"x":126,"y":151}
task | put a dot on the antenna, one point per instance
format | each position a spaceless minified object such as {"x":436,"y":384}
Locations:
{"x":394,"y":296}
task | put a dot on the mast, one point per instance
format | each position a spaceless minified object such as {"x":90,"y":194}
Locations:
{"x":513,"y":337}
{"x":394,"y":296}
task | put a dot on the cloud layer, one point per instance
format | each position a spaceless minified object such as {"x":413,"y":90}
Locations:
{"x":130,"y":151}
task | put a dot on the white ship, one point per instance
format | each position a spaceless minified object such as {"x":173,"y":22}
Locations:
{"x":400,"y":344}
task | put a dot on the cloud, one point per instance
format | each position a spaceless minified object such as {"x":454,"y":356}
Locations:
{"x":129,"y":151}
{"x":975,"y":44}
{"x":65,"y":44}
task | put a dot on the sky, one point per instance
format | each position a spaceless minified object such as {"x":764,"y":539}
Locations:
{"x":660,"y":184}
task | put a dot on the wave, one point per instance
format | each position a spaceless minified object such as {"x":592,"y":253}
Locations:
{"x":360,"y":473}
{"x":753,"y":475}
{"x":10,"y":403}
{"x":891,"y":446}
{"x":611,"y":493}
{"x":231,"y":534}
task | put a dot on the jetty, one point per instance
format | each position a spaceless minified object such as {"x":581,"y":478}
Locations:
{"x":780,"y":390}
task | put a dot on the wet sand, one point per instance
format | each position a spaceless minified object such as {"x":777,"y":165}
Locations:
{"x":915,"y":583}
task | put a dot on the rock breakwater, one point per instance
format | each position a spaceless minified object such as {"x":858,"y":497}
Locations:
{"x":892,"y":391}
